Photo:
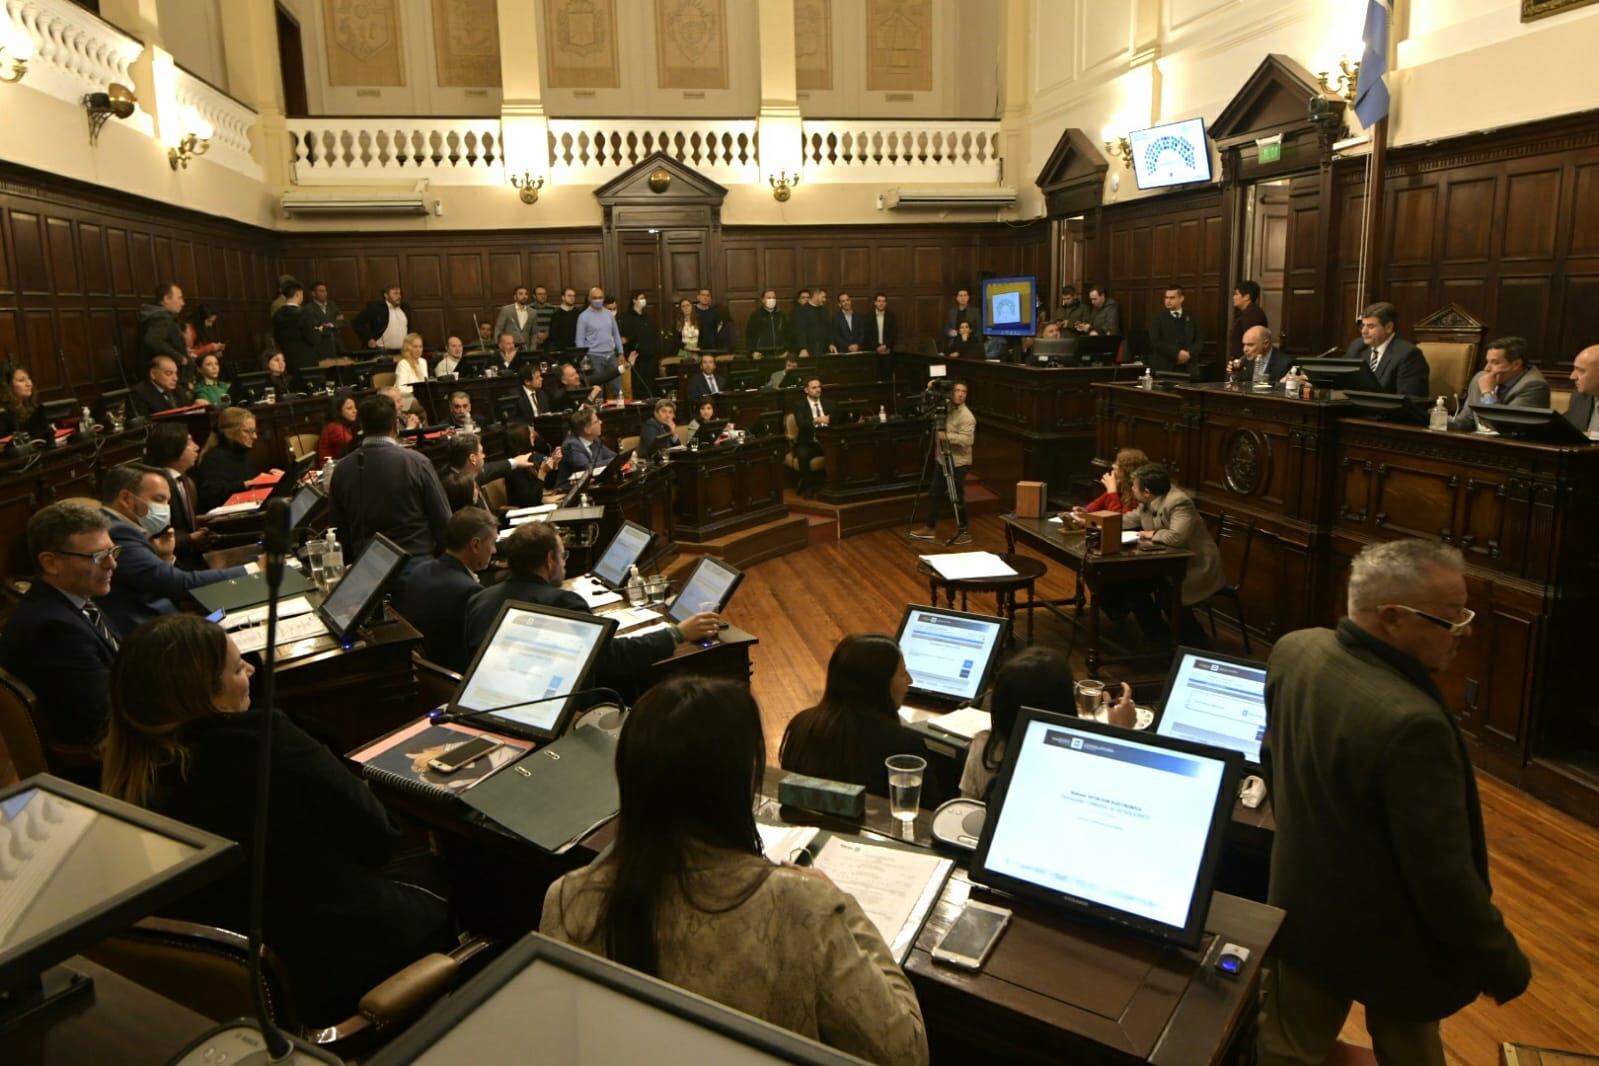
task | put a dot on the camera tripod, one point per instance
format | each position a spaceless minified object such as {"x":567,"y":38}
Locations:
{"x":946,"y":468}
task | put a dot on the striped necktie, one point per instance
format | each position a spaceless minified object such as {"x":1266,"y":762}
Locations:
{"x":1374,"y":359}
{"x":92,"y":613}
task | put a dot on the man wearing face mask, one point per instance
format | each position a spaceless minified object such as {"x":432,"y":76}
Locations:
{"x":642,"y":343}
{"x":137,"y":501}
{"x":767,"y":331}
{"x":597,"y":331}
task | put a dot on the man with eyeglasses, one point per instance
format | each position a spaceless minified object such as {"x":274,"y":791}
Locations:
{"x":1379,"y":860}
{"x":57,"y":642}
{"x":137,"y":503}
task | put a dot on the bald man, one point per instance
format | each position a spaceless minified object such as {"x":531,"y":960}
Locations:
{"x":1584,"y":410}
{"x":598,"y":332}
{"x":1263,"y":364}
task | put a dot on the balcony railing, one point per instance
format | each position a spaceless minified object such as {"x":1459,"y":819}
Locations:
{"x":75,"y":52}
{"x":591,"y":151}
{"x":458,"y":151}
{"x":884,"y":150}
{"x":230,"y":122}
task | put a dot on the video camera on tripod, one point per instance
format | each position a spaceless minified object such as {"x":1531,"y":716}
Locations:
{"x":935,"y":400}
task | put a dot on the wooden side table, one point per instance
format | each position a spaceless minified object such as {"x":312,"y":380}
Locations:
{"x":1028,"y":571}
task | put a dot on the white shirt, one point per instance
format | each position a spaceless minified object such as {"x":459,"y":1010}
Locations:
{"x":880,"y":315}
{"x":405,"y":376}
{"x":393,"y":335}
{"x":816,"y":410}
{"x":532,"y":398}
{"x":521,"y":317}
{"x":446,"y":365}
{"x":1375,"y":359}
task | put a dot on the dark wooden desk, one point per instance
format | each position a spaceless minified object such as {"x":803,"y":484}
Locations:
{"x":726,"y":488}
{"x":1096,"y":571}
{"x":118,"y":1021}
{"x":745,"y":407}
{"x":644,"y":497}
{"x":1055,"y":990}
{"x":872,"y":459}
{"x":857,"y":368}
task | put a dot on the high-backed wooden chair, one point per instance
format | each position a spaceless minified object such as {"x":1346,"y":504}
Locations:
{"x":382,"y":380}
{"x":1451,"y":339}
{"x":627,"y":442}
{"x":29,"y":739}
{"x":1560,"y":400}
{"x":495,"y":494}
{"x":791,"y":431}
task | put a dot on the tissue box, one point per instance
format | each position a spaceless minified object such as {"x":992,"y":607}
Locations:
{"x":1031,"y":497}
{"x":820,"y":794}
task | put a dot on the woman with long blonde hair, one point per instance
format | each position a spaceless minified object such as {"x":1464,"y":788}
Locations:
{"x":410,"y":367}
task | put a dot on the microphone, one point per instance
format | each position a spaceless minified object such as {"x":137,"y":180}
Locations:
{"x":461,"y":716}
{"x":278,"y":540}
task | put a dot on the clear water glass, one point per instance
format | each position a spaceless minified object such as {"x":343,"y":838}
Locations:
{"x":637,"y":595}
{"x":656,"y":587}
{"x":905,"y":773}
{"x":313,"y":561}
{"x":1089,"y":696}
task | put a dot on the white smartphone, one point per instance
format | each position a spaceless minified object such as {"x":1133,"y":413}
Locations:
{"x":464,"y":754}
{"x":972,"y":936}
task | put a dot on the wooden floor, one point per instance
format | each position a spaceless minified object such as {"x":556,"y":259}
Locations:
{"x":1545,"y":866}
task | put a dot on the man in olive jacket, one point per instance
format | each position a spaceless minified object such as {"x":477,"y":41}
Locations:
{"x":1379,"y":860}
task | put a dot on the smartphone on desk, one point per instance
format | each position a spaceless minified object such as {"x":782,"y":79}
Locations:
{"x":463,"y":755}
{"x":972,"y":936}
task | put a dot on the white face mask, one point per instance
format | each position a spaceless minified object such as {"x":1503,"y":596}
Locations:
{"x":770,"y":304}
{"x":157,"y":518}
{"x":640,"y":304}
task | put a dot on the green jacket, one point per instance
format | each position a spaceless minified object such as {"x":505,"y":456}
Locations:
{"x":1379,"y":860}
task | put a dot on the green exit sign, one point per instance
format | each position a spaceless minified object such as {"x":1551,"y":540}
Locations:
{"x":1270,"y":151}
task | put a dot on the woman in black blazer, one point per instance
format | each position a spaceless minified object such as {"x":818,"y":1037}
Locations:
{"x":182,"y":740}
{"x":964,"y":345}
{"x":856,"y":727}
{"x":19,"y":405}
{"x":226,"y":464}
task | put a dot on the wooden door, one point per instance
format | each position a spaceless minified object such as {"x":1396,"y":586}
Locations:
{"x":1269,"y":249}
{"x":685,"y":263}
{"x":641,"y":267}
{"x":1300,"y":325}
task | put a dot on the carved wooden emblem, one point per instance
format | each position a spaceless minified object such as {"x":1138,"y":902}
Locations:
{"x":1246,"y":456}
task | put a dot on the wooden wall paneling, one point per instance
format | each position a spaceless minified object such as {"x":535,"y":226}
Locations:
{"x":33,"y":276}
{"x":1467,"y":221}
{"x":464,"y":281}
{"x":6,"y":271}
{"x":187,"y":273}
{"x":505,"y":274}
{"x":855,"y":270}
{"x":740,"y":266}
{"x":63,"y":252}
{"x":818,"y":266}
{"x":10,"y":340}
{"x":891,"y":270}
{"x":1531,"y":213}
{"x":165,"y":264}
{"x":779,"y":272}
{"x":378,"y":272}
{"x":583,"y":269}
{"x":423,"y":278}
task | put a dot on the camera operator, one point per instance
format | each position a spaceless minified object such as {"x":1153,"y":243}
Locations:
{"x":954,"y":440}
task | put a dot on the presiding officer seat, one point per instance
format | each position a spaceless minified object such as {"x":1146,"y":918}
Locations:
{"x":208,"y":970}
{"x":791,"y":431}
{"x":1451,"y":364}
{"x":1560,"y":400}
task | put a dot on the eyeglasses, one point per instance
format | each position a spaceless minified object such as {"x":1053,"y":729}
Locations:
{"x":1455,"y":628}
{"x":98,"y":558}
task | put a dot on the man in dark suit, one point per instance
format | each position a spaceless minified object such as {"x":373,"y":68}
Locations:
{"x":381,"y":487}
{"x":434,"y":595}
{"x":294,"y":331}
{"x":1263,"y":364}
{"x":707,"y":382}
{"x":530,"y":398}
{"x":1393,"y":364}
{"x":383,"y":323}
{"x":171,"y":450}
{"x":137,"y":504}
{"x":1584,"y":410}
{"x":708,"y":318}
{"x":811,"y":323}
{"x":660,"y":432}
{"x":1174,"y":337}
{"x":161,"y":391}
{"x":812,"y":411}
{"x":880,"y":331}
{"x":849,"y":330}
{"x":583,"y":449}
{"x":160,"y":328}
{"x":327,"y":318}
{"x":1370,"y":777}
{"x":963,"y":311}
{"x":538,"y":566}
{"x":56,"y":641}
{"x":1247,"y":314}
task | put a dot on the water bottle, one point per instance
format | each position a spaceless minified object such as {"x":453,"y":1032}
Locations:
{"x":636,"y":594}
{"x":85,"y":421}
{"x":332,"y":556}
{"x":1438,"y":417}
{"x":882,"y":413}
{"x":1147,"y":382}
{"x":1291,"y":384}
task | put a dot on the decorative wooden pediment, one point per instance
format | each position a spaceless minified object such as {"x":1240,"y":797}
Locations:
{"x":1275,"y":99}
{"x":661,"y":179}
{"x":1450,"y":323}
{"x":1073,"y":178}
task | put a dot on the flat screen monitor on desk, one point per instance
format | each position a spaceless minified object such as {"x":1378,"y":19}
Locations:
{"x":1217,"y":700}
{"x":589,"y":1011}
{"x":710,"y":582}
{"x":1054,"y":350}
{"x":1097,"y":350}
{"x":1117,"y":828}
{"x":1542,"y":425}
{"x":534,"y":656}
{"x":360,"y":590}
{"x":79,"y":866}
{"x":306,"y":503}
{"x":949,"y":654}
{"x":1389,"y":406}
{"x":619,"y":556}
{"x":1335,"y":373}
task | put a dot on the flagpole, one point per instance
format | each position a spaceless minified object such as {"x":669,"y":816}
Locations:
{"x":1371,"y":222}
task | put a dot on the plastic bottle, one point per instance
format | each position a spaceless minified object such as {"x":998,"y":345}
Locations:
{"x":1438,"y":417}
{"x":332,"y":556}
{"x":636,"y":595}
{"x":1291,"y":384}
{"x":1147,"y":382}
{"x":85,"y":421}
{"x":882,"y":413}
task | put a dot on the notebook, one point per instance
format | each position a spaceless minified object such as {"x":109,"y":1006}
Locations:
{"x":401,"y":758}
{"x":557,"y":795}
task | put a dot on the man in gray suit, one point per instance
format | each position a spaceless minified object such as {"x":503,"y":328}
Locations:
{"x":1167,"y":516}
{"x":518,"y":319}
{"x":1506,"y":380}
{"x":1584,"y":410}
{"x":1379,"y":862}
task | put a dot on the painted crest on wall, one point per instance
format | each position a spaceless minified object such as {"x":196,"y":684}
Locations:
{"x":363,"y":27}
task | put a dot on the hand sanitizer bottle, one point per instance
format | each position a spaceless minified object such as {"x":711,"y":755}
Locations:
{"x":1147,"y":382}
{"x":1438,"y":417}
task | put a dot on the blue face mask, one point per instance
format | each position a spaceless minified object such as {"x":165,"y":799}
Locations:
{"x":597,"y":304}
{"x":157,"y":518}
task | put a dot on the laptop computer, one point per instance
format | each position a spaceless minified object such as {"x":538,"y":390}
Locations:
{"x":1218,"y":700}
{"x":711,"y":581}
{"x":524,"y":676}
{"x":950,"y":655}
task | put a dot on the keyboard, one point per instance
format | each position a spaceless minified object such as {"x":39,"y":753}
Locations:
{"x":300,"y":627}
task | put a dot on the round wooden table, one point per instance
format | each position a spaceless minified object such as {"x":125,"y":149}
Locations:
{"x":1028,"y":571}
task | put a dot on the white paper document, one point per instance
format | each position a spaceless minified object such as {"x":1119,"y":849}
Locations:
{"x":964,"y":722}
{"x":1129,"y":536}
{"x":595,"y":594}
{"x":232,"y":508}
{"x":894,"y":886}
{"x":962,"y":566}
{"x":782,"y":843}
{"x":632,"y":617}
{"x":250,"y":616}
{"x":520,"y":512}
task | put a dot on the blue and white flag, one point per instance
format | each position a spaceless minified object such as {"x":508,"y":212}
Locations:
{"x":1371,"y":90}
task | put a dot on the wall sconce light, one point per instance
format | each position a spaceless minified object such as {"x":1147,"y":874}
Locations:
{"x":527,"y":187}
{"x":1120,"y":148}
{"x":196,"y":139}
{"x":117,"y":101}
{"x":1341,"y":82}
{"x":14,"y":55}
{"x":783,"y":185}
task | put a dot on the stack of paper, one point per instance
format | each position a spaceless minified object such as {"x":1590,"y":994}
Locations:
{"x":968,"y":566}
{"x":964,"y":722}
{"x":896,"y":887}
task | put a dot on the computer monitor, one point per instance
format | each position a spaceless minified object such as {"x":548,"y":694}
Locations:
{"x":115,"y":401}
{"x":1010,"y":307}
{"x":769,"y":424}
{"x":1542,"y":425}
{"x":534,"y":656}
{"x":750,"y":378}
{"x":1114,"y":827}
{"x":1218,"y":700}
{"x":56,"y":412}
{"x":248,"y":386}
{"x":616,"y":469}
{"x":1054,"y":350}
{"x":1098,"y":351}
{"x":505,"y":408}
{"x":707,"y":432}
{"x":710,"y":582}
{"x":1174,"y":154}
{"x":624,"y":552}
{"x":292,"y":476}
{"x":306,"y":503}
{"x":847,"y":411}
{"x":84,"y":866}
{"x":577,"y":486}
{"x":472,"y":366}
{"x":1389,"y":406}
{"x":1333,"y":373}
{"x":589,"y":1011}
{"x":359,"y":591}
{"x":949,"y":654}
{"x":314,"y":380}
